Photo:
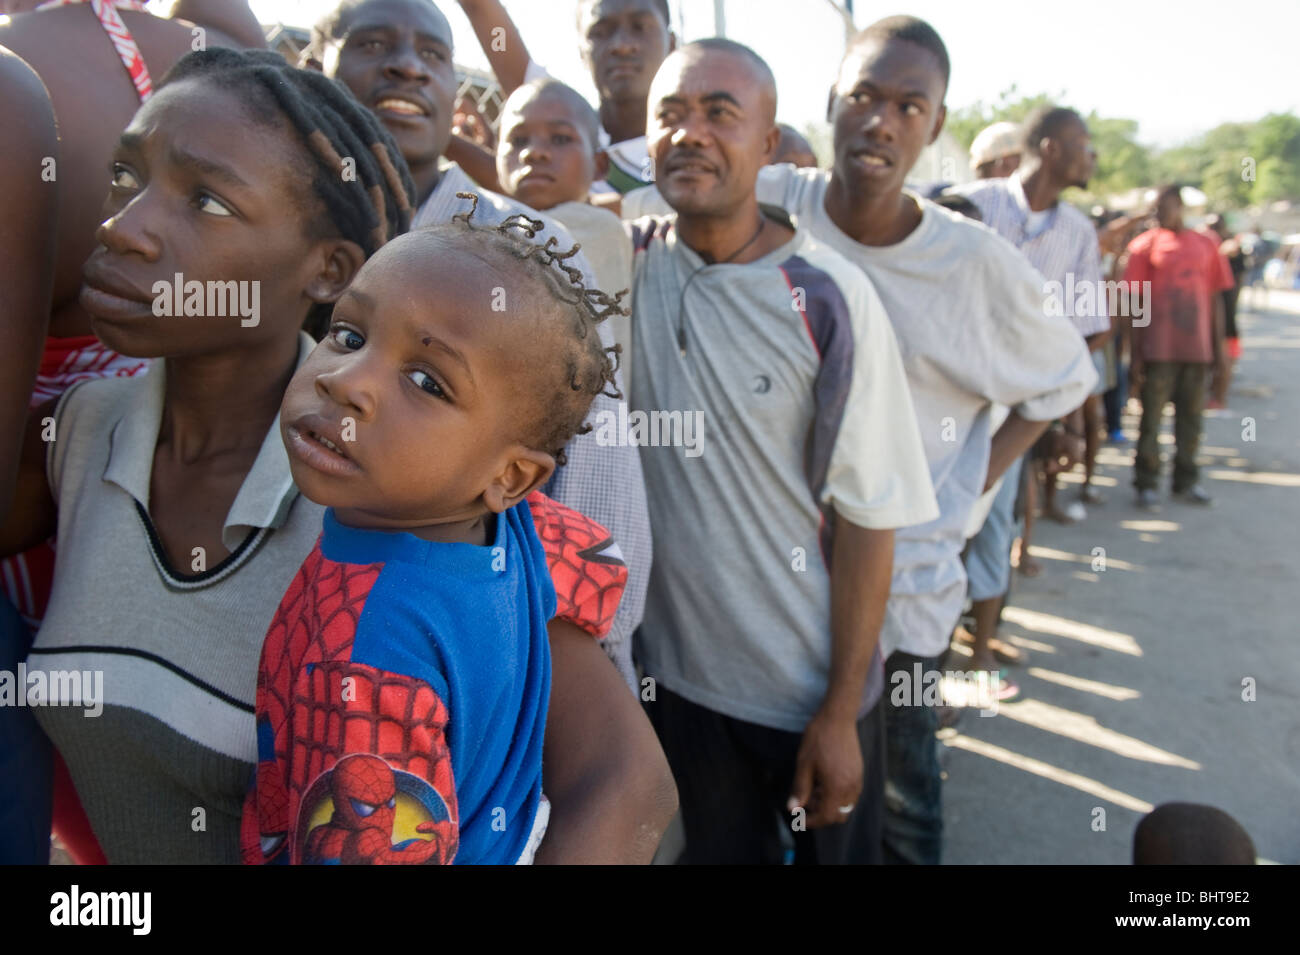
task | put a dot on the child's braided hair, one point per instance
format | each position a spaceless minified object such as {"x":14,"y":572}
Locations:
{"x":590,"y":368}
{"x":369,"y":201}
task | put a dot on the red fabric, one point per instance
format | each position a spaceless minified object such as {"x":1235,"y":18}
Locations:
{"x":1186,"y":272}
{"x":70,"y":822}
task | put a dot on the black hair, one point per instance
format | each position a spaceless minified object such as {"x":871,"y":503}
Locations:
{"x":1046,"y":122}
{"x":335,"y":24}
{"x":367,"y":202}
{"x":911,"y":29}
{"x":589,"y":367}
{"x":587,"y":117}
{"x":1166,"y":191}
{"x":660,"y":6}
{"x":960,"y":204}
{"x":1184,"y":833}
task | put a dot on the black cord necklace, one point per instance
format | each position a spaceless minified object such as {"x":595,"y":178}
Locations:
{"x":681,"y":301}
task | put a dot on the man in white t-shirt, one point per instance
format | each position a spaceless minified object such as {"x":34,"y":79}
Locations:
{"x":968,"y":312}
{"x":623,"y":42}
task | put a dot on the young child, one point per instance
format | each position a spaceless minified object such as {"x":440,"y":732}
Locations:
{"x":548,"y":155}
{"x":404,"y":681}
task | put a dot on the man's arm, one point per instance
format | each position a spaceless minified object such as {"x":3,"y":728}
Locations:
{"x":479,"y":164}
{"x":828,"y":769}
{"x":1016,"y":436}
{"x":232,"y":21}
{"x":30,"y":200}
{"x":611,"y":791}
{"x":500,"y":40}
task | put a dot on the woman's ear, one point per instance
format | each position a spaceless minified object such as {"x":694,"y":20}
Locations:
{"x":602,"y":164}
{"x":342,"y":260}
{"x":526,"y":471}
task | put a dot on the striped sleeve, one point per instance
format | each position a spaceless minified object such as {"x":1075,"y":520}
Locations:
{"x":864,"y":458}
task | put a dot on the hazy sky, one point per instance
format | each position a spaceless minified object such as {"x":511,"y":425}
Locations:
{"x":1179,"y":67}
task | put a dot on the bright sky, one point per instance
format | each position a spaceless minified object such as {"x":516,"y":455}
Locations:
{"x":1179,"y":67}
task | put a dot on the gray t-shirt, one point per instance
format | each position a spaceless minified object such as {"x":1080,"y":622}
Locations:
{"x":790,"y":372}
{"x":970,"y":316}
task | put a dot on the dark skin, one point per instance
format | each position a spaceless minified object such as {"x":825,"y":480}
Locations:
{"x":395,"y":57}
{"x":887,"y":106}
{"x":431,"y":379}
{"x":546,"y":155}
{"x":29,"y":265}
{"x":712,"y":127}
{"x":606,"y":775}
{"x":93,"y":101}
{"x":794,"y":149}
{"x":623,"y":43}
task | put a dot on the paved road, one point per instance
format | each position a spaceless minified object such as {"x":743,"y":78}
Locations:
{"x":1133,"y":695}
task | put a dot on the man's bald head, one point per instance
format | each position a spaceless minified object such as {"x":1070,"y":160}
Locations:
{"x":750,"y":69}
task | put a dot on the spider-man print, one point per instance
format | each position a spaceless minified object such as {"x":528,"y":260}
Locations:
{"x":360,"y":830}
{"x":585,"y":563}
{"x":319,"y":705}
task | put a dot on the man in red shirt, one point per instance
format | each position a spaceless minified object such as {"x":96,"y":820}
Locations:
{"x":1182,"y":338}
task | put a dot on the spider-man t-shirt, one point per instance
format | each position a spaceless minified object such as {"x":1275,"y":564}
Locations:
{"x":403,"y":687}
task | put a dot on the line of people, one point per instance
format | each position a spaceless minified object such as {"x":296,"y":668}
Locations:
{"x":867,"y":365}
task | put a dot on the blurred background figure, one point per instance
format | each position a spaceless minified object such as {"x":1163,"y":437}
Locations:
{"x":793,"y":148}
{"x":995,"y":152}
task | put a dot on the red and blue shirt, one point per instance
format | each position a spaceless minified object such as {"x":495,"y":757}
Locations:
{"x":403,"y":687}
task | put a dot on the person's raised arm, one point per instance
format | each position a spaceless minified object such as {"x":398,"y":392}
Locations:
{"x":828,"y":769}
{"x":232,"y":19}
{"x":29,"y":197}
{"x":612,"y":794}
{"x":500,"y":40}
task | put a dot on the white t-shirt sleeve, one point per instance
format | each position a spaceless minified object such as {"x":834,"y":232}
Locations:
{"x":645,"y":201}
{"x":878,"y":476}
{"x":1042,"y":368}
{"x":535,"y":71}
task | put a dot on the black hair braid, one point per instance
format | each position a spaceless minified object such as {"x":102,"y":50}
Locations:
{"x":369,"y":203}
{"x":591,"y":368}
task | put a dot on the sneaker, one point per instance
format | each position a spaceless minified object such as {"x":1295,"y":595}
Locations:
{"x":1117,"y":437}
{"x":1194,"y":495}
{"x":1147,"y":499}
{"x":1076,"y":512}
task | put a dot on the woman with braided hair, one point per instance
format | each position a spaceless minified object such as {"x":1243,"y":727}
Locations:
{"x":179,"y":525}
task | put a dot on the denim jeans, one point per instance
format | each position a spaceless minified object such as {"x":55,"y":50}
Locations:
{"x":913,"y":788}
{"x":26,"y":759}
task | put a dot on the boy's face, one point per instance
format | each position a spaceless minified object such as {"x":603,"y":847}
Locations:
{"x":405,"y":416}
{"x":395,"y":57}
{"x":623,"y":42}
{"x":886,"y":107}
{"x":545,"y":156}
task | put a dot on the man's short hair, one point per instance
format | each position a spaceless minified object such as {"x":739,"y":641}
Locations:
{"x":911,"y":29}
{"x":661,"y":8}
{"x":1167,"y":190}
{"x":1047,"y":122}
{"x":723,"y":45}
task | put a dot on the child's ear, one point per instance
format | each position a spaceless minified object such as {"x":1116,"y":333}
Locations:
{"x":602,"y":165}
{"x":342,"y":260}
{"x":526,"y":471}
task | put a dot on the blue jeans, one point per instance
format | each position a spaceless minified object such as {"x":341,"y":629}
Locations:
{"x":913,"y":788}
{"x":26,"y":759}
